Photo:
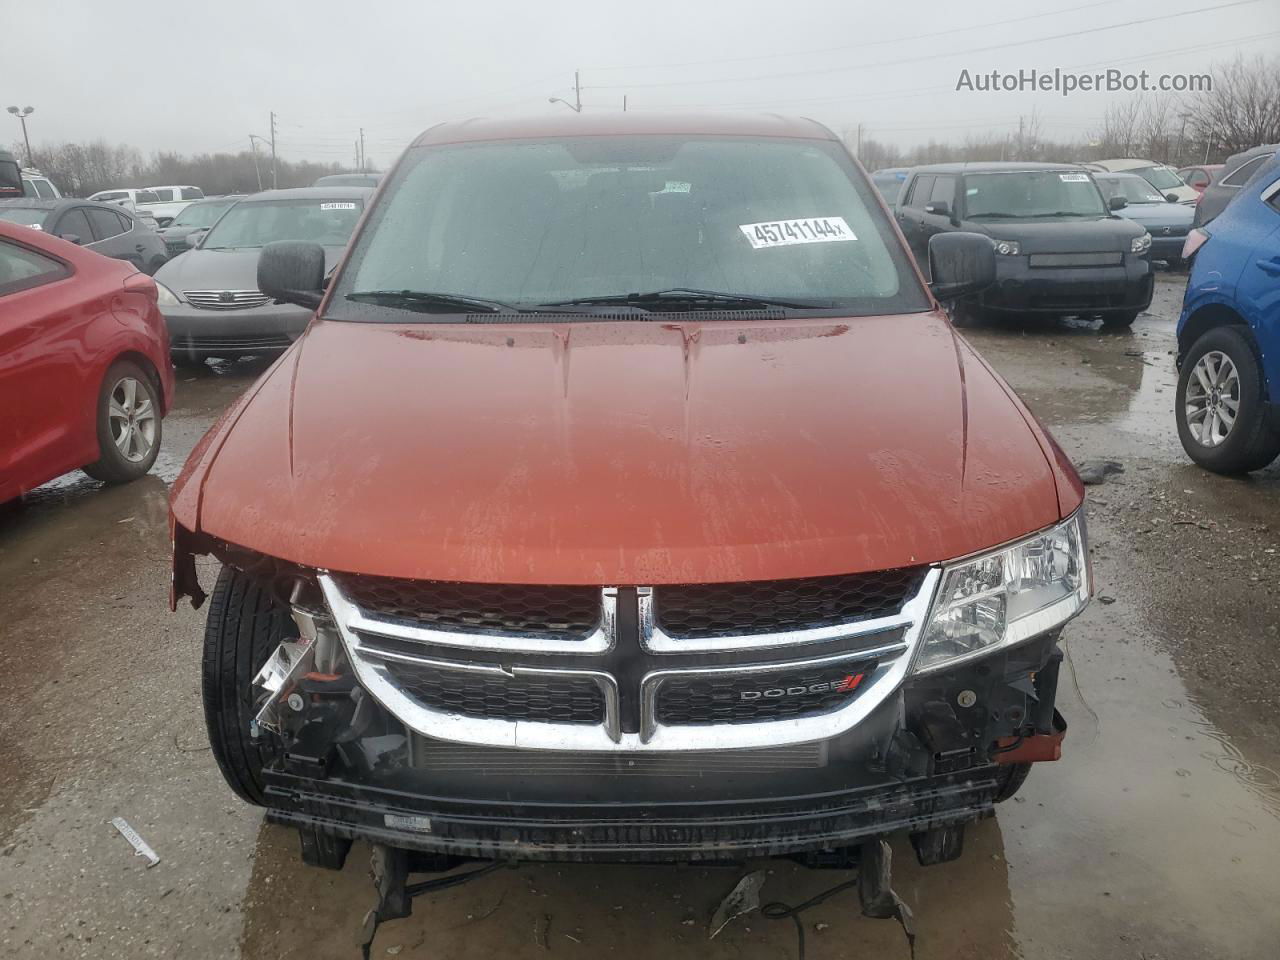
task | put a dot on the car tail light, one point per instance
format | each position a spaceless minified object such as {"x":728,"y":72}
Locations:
{"x":141,"y":283}
{"x":1195,"y":240}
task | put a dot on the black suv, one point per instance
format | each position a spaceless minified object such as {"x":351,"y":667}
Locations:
{"x":1060,"y":247}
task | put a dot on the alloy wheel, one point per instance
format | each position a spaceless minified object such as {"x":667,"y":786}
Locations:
{"x":1213,"y":398}
{"x":131,"y":416}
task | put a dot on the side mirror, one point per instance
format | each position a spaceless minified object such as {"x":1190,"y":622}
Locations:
{"x":1171,"y":197}
{"x":961,"y":264}
{"x":292,"y":272}
{"x":1117,"y":203}
{"x":195,"y":236}
{"x":939,"y":208}
{"x":70,"y":237}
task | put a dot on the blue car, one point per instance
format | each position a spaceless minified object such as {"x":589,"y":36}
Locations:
{"x":889,"y":181}
{"x":1168,"y":223}
{"x":1228,"y":400}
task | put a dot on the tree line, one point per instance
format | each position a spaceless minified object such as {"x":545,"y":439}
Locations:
{"x":82,"y":169}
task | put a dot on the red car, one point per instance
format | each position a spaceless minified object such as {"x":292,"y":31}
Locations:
{"x":1200,"y":176}
{"x":630,"y":497}
{"x":85,"y":377}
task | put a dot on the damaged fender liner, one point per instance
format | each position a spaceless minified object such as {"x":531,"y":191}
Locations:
{"x":676,"y":833}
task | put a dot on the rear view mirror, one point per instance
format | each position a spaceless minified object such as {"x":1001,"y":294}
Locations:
{"x":1117,"y":203}
{"x":938,"y":208}
{"x":292,"y":272}
{"x":1171,"y":197}
{"x":960,"y":264}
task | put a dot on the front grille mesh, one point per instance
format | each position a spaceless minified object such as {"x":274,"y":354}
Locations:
{"x":698,"y":611}
{"x":506,"y":608}
{"x":546,"y":699}
{"x":783,"y":695}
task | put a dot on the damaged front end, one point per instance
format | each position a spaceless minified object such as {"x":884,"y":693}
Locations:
{"x":667,"y":723}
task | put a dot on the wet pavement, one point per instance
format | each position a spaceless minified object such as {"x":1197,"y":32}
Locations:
{"x":1156,"y":837}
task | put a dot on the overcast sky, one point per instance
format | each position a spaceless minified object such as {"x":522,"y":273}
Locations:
{"x":201,"y":77}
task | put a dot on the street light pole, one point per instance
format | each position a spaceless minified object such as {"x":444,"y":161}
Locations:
{"x":22,"y":118}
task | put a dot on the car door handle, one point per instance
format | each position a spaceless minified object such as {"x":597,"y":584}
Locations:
{"x":139,"y":248}
{"x":1271,"y":266}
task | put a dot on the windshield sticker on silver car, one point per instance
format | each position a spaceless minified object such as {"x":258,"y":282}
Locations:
{"x":1074,"y":177}
{"x":784,"y":233}
{"x":337,"y":206}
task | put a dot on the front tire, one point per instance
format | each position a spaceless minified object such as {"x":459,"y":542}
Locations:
{"x":128,"y":423}
{"x":1223,"y":421}
{"x":245,"y":625}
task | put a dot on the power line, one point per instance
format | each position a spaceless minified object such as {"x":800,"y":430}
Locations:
{"x":928,"y":57}
{"x":857,"y":46}
{"x":922,"y":91}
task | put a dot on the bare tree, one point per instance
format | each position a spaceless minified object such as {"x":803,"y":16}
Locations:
{"x":1243,"y":108}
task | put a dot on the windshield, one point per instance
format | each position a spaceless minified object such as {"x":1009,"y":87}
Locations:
{"x":1133,"y":189}
{"x":1031,"y":193}
{"x":536,"y":223}
{"x":1164,"y":178}
{"x":199,"y":215}
{"x":328,"y":222}
{"x":24,"y":216}
{"x":889,"y":185}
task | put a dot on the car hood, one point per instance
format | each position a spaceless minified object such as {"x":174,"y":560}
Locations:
{"x":1075,"y":235}
{"x":629,"y":452}
{"x":222,"y":269}
{"x":1160,"y":214}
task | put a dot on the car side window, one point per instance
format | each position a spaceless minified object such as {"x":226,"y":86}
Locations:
{"x":165,"y":195}
{"x":920,"y":191}
{"x":944,"y":191}
{"x":22,"y":268}
{"x":73,"y":223}
{"x":192,"y":193}
{"x":125,"y":223}
{"x":105,"y":223}
{"x":110,"y":195}
{"x":1241,"y":174}
{"x":44,"y":189}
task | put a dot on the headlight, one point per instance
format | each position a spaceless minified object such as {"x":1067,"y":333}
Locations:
{"x":1008,"y":248}
{"x":167,"y":298}
{"x":1007,"y":596}
{"x":1140,"y":244}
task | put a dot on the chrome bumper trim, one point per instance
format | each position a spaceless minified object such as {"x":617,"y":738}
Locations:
{"x":368,"y":662}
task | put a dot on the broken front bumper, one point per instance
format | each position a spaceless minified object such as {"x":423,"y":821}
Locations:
{"x":938,"y":752}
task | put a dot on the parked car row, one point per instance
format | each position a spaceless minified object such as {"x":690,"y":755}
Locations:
{"x":100,"y":227}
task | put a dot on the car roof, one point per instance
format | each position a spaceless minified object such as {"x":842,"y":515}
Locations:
{"x":1127,"y":163}
{"x":312,"y":193}
{"x":995,"y":166}
{"x":35,"y":203}
{"x":634,"y":123}
{"x":1120,"y":175}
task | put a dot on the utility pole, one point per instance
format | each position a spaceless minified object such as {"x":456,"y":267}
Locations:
{"x":624,"y":103}
{"x":362,"y":149}
{"x":274,"y":178}
{"x":253,"y":145}
{"x":577,"y":97}
{"x":857,"y":150}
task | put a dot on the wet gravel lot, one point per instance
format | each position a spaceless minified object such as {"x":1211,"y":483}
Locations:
{"x":1156,"y":836}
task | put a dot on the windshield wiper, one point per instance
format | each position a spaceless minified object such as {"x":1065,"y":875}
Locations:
{"x":996,"y":216}
{"x":686,"y":298}
{"x":425,"y":301}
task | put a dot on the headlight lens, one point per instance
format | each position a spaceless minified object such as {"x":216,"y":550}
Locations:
{"x":1007,"y":596}
{"x":1008,"y":248}
{"x":167,"y":298}
{"x":1140,"y":244}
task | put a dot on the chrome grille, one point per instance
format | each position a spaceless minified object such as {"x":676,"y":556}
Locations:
{"x":541,"y":668}
{"x":226,"y":299}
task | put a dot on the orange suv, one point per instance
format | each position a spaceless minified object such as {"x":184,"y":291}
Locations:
{"x":630,"y":497}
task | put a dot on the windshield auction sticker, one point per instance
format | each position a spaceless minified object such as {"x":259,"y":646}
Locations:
{"x":784,"y":233}
{"x":1074,"y":177}
{"x":337,"y":206}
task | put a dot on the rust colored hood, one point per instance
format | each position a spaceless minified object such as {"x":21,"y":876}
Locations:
{"x":637,"y":452}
